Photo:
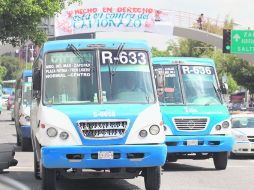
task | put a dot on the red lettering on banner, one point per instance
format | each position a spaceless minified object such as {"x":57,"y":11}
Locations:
{"x":84,"y":11}
{"x":107,"y":9}
{"x":69,"y":13}
{"x":135,"y":10}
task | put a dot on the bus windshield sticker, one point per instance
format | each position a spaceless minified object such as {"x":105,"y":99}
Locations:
{"x":198,"y":70}
{"x":67,"y":64}
{"x":125,"y":57}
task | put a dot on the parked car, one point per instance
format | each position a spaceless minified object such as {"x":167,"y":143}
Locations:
{"x":6,"y":156}
{"x":243,"y":130}
{"x":10,"y":101}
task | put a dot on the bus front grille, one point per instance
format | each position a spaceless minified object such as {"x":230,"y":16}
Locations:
{"x":102,"y":129}
{"x":190,"y":123}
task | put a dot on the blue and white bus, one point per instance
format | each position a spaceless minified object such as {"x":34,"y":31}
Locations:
{"x":95,"y":112}
{"x":197,"y":123}
{"x":22,"y":105}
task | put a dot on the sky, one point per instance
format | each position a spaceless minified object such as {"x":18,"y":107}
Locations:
{"x":240,"y":10}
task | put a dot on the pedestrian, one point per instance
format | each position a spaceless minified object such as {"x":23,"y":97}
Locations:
{"x":200,"y":21}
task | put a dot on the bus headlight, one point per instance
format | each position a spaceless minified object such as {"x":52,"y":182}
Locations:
{"x":154,"y":129}
{"x":225,"y":124}
{"x":51,"y":132}
{"x":64,"y":135}
{"x":143,"y":133}
{"x":218,"y":127}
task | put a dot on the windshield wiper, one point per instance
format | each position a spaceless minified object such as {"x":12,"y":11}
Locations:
{"x":217,"y":92}
{"x":75,"y":50}
{"x":112,"y":70}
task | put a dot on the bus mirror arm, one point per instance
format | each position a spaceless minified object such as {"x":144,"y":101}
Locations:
{"x":37,"y":80}
{"x":160,"y":79}
{"x":224,"y":88}
{"x":37,"y":94}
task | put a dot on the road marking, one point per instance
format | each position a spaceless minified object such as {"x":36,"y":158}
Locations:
{"x":20,"y":169}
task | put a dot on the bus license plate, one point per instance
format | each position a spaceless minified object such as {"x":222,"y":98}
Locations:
{"x":105,"y":155}
{"x":192,"y":142}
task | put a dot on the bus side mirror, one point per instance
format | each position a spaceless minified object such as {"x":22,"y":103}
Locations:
{"x":160,"y":79}
{"x":37,"y":80}
{"x":224,"y":88}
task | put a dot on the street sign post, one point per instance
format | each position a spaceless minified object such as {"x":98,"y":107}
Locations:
{"x":242,"y":41}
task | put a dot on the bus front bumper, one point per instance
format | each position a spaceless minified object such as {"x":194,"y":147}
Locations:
{"x":205,"y":144}
{"x":136,"y":156}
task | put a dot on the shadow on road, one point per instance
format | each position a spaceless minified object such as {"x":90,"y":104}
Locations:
{"x":96,"y":184}
{"x":28,"y":179}
{"x":175,"y":167}
{"x":246,"y":157}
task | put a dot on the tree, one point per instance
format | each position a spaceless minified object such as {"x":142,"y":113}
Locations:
{"x":20,"y":19}
{"x":13,"y":67}
{"x":2,"y":73}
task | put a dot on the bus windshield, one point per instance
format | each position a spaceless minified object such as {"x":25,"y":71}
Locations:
{"x":8,"y":86}
{"x":200,"y":86}
{"x":72,"y":78}
{"x":127,"y":79}
{"x":27,"y":93}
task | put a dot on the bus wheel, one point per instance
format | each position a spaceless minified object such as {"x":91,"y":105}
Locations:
{"x":220,"y":160}
{"x":36,"y":167}
{"x":26,"y":144}
{"x":48,"y":178}
{"x":152,"y":178}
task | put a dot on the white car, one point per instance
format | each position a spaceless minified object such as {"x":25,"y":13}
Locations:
{"x":243,"y":130}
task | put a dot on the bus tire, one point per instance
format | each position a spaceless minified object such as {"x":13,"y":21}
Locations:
{"x":220,"y":160}
{"x":36,"y":167}
{"x":26,"y":144}
{"x":48,"y":178}
{"x":152,"y":177}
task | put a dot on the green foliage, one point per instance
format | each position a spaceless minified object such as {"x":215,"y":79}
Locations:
{"x":158,"y":53}
{"x":19,"y":19}
{"x":12,"y":66}
{"x":2,"y":73}
{"x":232,"y":84}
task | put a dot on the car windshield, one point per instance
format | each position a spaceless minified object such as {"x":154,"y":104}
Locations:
{"x":172,"y":93}
{"x":200,"y":86}
{"x":70,"y":78}
{"x":243,"y":122}
{"x":126,"y":78}
{"x":27,"y":93}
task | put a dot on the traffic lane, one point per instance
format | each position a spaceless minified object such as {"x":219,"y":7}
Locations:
{"x":200,"y":174}
{"x":185,"y":174}
{"x":27,"y":178}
